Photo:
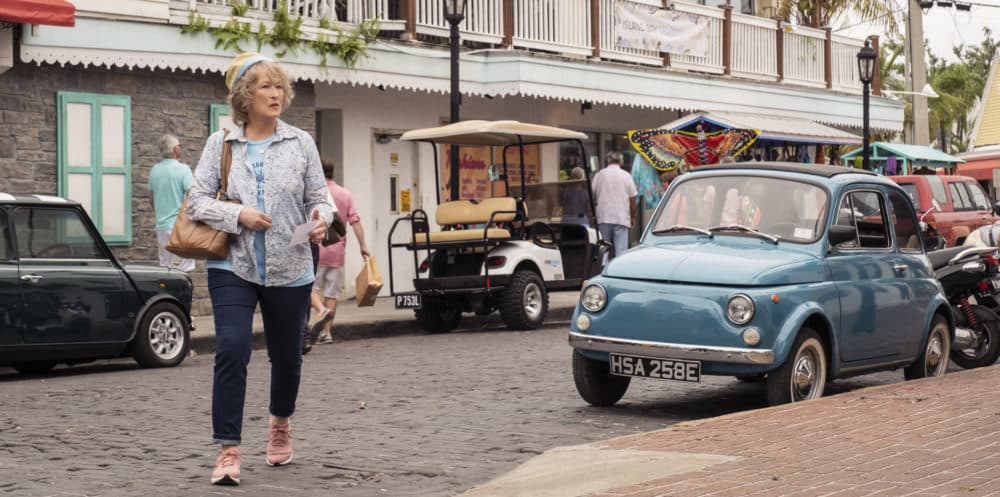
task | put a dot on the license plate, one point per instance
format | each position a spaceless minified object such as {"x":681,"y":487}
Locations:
{"x":648,"y":367}
{"x":408,"y":301}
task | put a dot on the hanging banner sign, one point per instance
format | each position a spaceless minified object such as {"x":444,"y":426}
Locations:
{"x":644,"y":27}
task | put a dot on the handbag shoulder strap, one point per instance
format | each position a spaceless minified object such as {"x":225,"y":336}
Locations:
{"x":227,"y":161}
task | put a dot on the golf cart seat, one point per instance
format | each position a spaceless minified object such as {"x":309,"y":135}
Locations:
{"x":454,"y":215}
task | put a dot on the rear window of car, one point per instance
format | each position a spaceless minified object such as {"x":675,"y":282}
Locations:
{"x":959,"y":196}
{"x":937,"y":189}
{"x":978,"y":197}
{"x":911,"y":190}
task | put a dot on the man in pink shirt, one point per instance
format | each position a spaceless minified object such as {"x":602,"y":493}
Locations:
{"x":330,"y":273}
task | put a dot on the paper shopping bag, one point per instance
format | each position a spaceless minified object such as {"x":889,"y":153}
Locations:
{"x":368,"y":283}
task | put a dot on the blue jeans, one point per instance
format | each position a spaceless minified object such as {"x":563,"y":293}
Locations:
{"x":617,"y":234}
{"x":283,"y":310}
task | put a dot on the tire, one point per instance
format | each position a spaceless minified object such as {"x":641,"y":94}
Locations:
{"x":595,"y":383}
{"x":437,"y":315}
{"x":163,"y":338}
{"x":33,"y":367}
{"x":987,"y":350}
{"x":524,"y":302}
{"x":933,"y":361}
{"x":803,"y":374}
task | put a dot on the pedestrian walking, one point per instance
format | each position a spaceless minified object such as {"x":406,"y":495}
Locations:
{"x":169,"y":182}
{"x":277,"y":177}
{"x":615,"y":194}
{"x":576,"y":203}
{"x":330,"y":277}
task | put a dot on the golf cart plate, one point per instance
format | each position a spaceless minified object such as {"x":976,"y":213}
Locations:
{"x":407,"y":301}
{"x":649,"y":367}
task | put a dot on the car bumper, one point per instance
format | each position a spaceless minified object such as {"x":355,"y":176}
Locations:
{"x":660,"y":350}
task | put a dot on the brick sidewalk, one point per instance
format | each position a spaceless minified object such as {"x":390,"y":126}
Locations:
{"x":928,"y":438}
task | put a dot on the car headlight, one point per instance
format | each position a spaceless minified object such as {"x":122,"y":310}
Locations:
{"x":593,"y":298}
{"x":739,"y":310}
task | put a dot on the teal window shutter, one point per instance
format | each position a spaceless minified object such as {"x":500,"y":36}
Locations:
{"x":94,"y":156}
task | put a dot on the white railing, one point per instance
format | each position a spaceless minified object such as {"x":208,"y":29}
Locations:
{"x":483,"y":20}
{"x":844,"y":61}
{"x":310,"y":10}
{"x":713,"y":63}
{"x":754,"y":48}
{"x":557,"y":25}
{"x":805,"y":56}
{"x":609,"y":44}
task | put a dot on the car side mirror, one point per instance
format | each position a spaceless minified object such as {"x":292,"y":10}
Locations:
{"x":840,"y":233}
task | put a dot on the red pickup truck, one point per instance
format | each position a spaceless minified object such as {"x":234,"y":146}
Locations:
{"x":964,"y":205}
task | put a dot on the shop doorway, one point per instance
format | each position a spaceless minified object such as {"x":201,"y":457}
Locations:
{"x":396,"y":193}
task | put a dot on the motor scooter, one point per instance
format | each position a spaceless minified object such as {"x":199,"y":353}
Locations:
{"x":970,"y":277}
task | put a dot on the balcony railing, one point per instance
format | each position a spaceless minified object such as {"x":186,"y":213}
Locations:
{"x":741,"y":46}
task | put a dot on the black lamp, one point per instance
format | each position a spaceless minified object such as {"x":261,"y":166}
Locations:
{"x":454,"y":12}
{"x":866,"y":71}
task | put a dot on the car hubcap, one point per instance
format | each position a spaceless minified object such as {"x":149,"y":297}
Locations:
{"x":532,"y":301}
{"x":166,"y":335}
{"x":933,"y":356}
{"x":805,"y":375}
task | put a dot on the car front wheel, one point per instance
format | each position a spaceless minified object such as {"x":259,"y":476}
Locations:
{"x":163,"y":338}
{"x":933,"y":361}
{"x":595,"y":382}
{"x":803,"y":375}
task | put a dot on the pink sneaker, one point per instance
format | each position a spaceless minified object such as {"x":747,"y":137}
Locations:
{"x":227,"y":467}
{"x":279,"y":444}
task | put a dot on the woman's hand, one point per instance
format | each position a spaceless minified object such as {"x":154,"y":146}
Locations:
{"x":318,"y":233}
{"x":254,"y":219}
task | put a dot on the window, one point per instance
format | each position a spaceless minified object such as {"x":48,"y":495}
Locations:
{"x":44,"y":233}
{"x":864,"y":211}
{"x":95,"y":159}
{"x":5,"y":248}
{"x":220,"y":116}
{"x":937,"y":189}
{"x":979,"y":200}
{"x":959,"y":197}
{"x":905,"y":227}
{"x":911,"y":190}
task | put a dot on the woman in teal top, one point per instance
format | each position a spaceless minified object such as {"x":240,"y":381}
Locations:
{"x":277,"y":177}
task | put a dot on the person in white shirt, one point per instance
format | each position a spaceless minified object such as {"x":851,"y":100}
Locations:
{"x":616,"y":197}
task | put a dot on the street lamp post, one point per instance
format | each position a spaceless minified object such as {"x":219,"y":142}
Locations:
{"x":454,"y":12}
{"x":866,"y":70}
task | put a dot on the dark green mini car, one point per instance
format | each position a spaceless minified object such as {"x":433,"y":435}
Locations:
{"x":65,"y":298}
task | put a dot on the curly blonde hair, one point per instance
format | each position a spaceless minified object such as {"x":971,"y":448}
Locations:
{"x":242,"y":92}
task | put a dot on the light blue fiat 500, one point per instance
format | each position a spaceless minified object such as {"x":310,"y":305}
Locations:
{"x":796,"y":273}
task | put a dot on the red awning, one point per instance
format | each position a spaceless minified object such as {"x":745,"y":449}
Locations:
{"x":48,"y":12}
{"x":981,"y":169}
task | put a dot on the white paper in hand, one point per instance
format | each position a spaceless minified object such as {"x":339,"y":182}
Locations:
{"x":301,"y":233}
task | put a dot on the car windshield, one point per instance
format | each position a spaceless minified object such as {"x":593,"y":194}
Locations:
{"x":746,"y":206}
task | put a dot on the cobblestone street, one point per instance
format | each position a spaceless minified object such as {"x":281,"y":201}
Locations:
{"x":420,"y":415}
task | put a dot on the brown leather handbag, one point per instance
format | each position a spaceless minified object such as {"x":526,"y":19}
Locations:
{"x":336,"y":231}
{"x":195,"y":239}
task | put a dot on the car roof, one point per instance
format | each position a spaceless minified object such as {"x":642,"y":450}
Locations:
{"x":496,"y":133}
{"x":823,"y":170}
{"x":34,"y":199}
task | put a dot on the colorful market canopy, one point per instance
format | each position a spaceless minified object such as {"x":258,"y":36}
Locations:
{"x":772,"y":127}
{"x":907,"y":155}
{"x":48,"y":12}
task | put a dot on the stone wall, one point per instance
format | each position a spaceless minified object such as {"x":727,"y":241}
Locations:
{"x":162,"y":102}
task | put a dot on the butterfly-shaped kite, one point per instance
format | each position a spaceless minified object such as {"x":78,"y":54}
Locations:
{"x":668,"y":149}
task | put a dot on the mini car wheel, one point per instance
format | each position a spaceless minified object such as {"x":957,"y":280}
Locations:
{"x":163,"y":338}
{"x":803,"y":375}
{"x":437,"y":315}
{"x":933,"y":361}
{"x":595,"y":382}
{"x":524,"y":302}
{"x":986,"y":348}
{"x":33,"y":367}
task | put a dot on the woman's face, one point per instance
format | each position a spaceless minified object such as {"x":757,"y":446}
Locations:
{"x":267,"y":98}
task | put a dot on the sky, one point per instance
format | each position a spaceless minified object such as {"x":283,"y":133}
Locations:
{"x":946,"y":27}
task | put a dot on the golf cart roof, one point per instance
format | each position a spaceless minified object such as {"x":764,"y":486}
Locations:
{"x":497,"y":133}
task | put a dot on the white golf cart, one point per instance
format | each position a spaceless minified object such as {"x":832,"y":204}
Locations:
{"x":492,"y":254}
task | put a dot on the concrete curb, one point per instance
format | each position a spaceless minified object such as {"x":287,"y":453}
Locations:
{"x":204,"y":343}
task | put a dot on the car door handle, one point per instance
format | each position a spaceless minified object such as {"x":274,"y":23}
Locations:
{"x":899,"y":268}
{"x":31,"y":278}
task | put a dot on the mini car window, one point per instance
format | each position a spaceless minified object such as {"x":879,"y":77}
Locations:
{"x":978,"y":197}
{"x":959,"y":197}
{"x":864,"y":211}
{"x":44,"y":233}
{"x":911,"y":190}
{"x":790,"y":210}
{"x":937,"y":189}
{"x":5,"y":248}
{"x":903,"y":224}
